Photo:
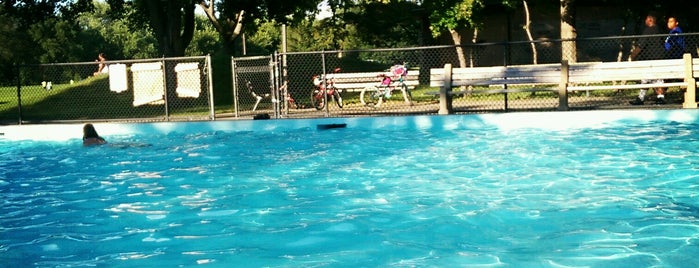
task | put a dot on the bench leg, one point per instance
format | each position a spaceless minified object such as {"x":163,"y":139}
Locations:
{"x":690,"y":97}
{"x":690,"y":101}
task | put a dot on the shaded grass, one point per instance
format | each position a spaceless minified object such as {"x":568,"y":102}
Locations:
{"x":87,"y":99}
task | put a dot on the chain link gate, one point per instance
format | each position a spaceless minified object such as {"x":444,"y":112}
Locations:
{"x":257,"y":87}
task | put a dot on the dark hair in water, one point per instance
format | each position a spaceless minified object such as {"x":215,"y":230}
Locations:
{"x":89,"y":132}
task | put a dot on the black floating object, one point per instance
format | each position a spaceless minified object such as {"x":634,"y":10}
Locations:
{"x":261,"y":117}
{"x":330,"y":126}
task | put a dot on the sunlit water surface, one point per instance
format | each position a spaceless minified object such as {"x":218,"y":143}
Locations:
{"x":622,"y":194}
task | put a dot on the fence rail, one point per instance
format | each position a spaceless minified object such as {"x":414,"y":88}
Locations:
{"x":281,"y":85}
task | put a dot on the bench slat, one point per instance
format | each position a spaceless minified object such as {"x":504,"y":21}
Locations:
{"x":550,"y":73}
{"x":376,"y":80}
{"x":512,"y":75}
{"x":629,"y":70}
{"x":633,"y":86}
{"x":357,"y":81}
{"x":351,"y":87}
{"x":493,"y":91}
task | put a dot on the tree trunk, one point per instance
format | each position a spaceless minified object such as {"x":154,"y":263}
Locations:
{"x":228,"y":29}
{"x":459,"y":49}
{"x":527,"y":22}
{"x":173,"y":25}
{"x":459,"y":52}
{"x":472,"y":56}
{"x":568,"y":34}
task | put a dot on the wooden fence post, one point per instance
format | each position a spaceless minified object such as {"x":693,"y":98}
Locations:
{"x":563,"y":88}
{"x":445,"y":97}
{"x":690,"y":94}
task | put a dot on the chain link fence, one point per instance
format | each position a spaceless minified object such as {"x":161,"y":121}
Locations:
{"x":133,"y":90}
{"x":311,"y":84}
{"x":351,"y":71}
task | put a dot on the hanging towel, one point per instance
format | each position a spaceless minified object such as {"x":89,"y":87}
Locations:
{"x":148,"y":84}
{"x":117,"y":78}
{"x":188,"y":80}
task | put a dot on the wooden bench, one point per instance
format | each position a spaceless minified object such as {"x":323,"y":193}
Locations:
{"x":355,"y":82}
{"x":564,"y":78}
{"x":498,"y":76}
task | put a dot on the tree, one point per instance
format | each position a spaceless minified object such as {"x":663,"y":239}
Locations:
{"x":266,"y":39}
{"x":309,"y":35}
{"x":114,"y":35}
{"x":229,"y":28}
{"x":527,"y":23}
{"x":9,"y":33}
{"x":206,"y":39}
{"x":57,"y":40}
{"x":172,"y":22}
{"x":568,"y":34}
{"x":453,"y":16}
{"x":29,"y":12}
{"x":232,"y":17}
{"x":393,"y":24}
{"x":35,"y":28}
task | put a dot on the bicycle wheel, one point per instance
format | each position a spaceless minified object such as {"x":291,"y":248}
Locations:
{"x":317,"y":99}
{"x":338,"y":98}
{"x":407,"y":96}
{"x":366,"y":96}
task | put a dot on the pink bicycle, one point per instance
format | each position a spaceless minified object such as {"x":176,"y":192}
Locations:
{"x":394,"y":80}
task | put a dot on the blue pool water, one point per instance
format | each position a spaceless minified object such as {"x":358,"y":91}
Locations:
{"x":574,"y":189}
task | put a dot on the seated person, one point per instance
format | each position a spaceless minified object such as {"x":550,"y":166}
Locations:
{"x":90,"y":136}
{"x":102,"y":67}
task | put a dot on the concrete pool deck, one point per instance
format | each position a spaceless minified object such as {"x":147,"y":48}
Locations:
{"x":545,"y":120}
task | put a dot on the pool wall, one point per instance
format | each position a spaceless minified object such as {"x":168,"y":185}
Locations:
{"x":504,"y":121}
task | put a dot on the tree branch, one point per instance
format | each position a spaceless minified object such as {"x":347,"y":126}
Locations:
{"x":210,"y":13}
{"x":229,"y":29}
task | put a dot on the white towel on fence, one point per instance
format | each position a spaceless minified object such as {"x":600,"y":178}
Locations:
{"x":117,"y":78}
{"x":148,"y":84}
{"x":188,"y":80}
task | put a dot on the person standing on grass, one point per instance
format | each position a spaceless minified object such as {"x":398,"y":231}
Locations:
{"x":674,"y":48}
{"x":674,"y":43}
{"x":648,"y":48}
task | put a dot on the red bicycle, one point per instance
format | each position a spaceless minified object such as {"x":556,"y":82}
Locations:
{"x":325,"y":90}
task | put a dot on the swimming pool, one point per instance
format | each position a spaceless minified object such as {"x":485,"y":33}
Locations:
{"x":607,"y":188}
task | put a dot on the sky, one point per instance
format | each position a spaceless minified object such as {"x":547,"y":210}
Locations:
{"x":324,"y":10}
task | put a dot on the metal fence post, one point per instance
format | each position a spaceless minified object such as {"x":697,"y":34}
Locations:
{"x":165,"y":86}
{"x":234,"y":81}
{"x":325,"y":85}
{"x":19,"y":94}
{"x":563,"y":88}
{"x":505,"y":63}
{"x":212,"y":107}
{"x":273,"y":84}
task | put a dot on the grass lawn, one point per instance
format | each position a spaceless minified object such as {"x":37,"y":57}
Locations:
{"x":88,"y":99}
